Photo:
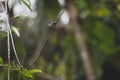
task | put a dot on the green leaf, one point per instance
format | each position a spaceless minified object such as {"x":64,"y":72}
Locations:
{"x":15,"y":30}
{"x":27,"y":3}
{"x":35,"y":71}
{"x":1,"y":60}
{"x":27,"y":73}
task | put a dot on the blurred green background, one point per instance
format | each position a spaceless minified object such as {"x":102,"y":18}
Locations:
{"x":59,"y":58}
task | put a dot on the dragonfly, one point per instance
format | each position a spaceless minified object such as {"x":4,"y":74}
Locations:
{"x":4,"y":24}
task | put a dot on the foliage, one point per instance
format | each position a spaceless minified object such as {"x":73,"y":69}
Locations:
{"x":27,"y":3}
{"x":26,"y":74}
{"x":60,"y":58}
{"x":29,"y":73}
{"x":1,"y":60}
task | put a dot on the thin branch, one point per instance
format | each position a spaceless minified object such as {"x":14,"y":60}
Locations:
{"x":42,"y":43}
{"x":14,"y":49}
{"x":8,"y":44}
{"x":54,"y":23}
{"x":38,"y":51}
{"x":10,"y":33}
{"x":59,"y":16}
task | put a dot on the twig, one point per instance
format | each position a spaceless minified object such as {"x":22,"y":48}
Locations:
{"x":42,"y":43}
{"x":8,"y":44}
{"x":38,"y":51}
{"x":13,"y":45}
{"x":59,"y":16}
{"x":14,"y":49}
{"x":9,"y":35}
{"x":54,"y":23}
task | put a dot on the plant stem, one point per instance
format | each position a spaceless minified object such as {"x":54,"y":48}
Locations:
{"x":14,"y":49}
{"x":8,"y":44}
{"x":59,"y":16}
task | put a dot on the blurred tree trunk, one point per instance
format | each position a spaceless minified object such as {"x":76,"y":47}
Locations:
{"x":80,"y":40}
